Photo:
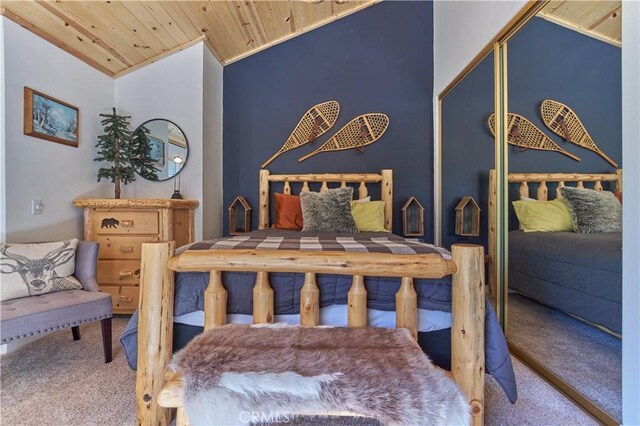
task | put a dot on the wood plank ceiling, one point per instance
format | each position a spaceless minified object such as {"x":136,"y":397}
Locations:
{"x":599,"y":19}
{"x":117,"y":37}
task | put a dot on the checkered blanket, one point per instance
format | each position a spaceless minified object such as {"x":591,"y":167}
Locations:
{"x":347,"y":242}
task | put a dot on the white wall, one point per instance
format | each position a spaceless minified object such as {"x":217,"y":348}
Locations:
{"x":631,"y":209}
{"x":212,"y":208}
{"x":185,"y":88}
{"x":461,"y":29}
{"x":171,"y":88}
{"x":39,"y":169}
{"x":2,"y":143}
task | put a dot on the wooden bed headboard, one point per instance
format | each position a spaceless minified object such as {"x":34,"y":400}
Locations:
{"x":384,"y":178}
{"x":541,"y":194}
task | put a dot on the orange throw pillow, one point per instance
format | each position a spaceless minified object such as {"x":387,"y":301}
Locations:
{"x":288,"y":212}
{"x":618,"y":196}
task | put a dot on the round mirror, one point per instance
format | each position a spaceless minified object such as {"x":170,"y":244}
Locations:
{"x":167,"y":150}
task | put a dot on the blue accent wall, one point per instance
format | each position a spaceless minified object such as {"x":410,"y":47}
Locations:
{"x":546,"y":61}
{"x":467,"y":148}
{"x":377,"y":60}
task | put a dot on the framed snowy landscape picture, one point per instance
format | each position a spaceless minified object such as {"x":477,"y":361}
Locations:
{"x":49,"y":118}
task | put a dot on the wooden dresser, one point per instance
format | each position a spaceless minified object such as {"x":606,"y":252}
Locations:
{"x":121,"y":226}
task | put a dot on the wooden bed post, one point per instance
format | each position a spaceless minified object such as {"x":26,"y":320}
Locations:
{"x":386,"y":195}
{"x":262,"y":299}
{"x":263,"y":217}
{"x":310,"y":301}
{"x":491,"y":241}
{"x":407,"y":307}
{"x":215,"y":302}
{"x":357,"y":303}
{"x":155,"y":331}
{"x":467,"y":328}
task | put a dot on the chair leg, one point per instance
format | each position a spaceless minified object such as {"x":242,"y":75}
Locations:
{"x":75,"y":331}
{"x":106,"y":339}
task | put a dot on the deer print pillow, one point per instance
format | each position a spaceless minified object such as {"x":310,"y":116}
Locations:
{"x":33,"y":269}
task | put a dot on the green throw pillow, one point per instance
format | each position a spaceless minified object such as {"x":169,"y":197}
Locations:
{"x":369,"y":216}
{"x":543,"y":216}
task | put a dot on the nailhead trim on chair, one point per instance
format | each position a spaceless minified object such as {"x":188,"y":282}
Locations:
{"x":72,"y":324}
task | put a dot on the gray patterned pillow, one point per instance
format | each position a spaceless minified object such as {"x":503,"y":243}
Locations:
{"x":34,"y":269}
{"x":328,"y":211}
{"x":593,"y":211}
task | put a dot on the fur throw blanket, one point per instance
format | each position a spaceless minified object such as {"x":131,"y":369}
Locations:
{"x":241,"y":374}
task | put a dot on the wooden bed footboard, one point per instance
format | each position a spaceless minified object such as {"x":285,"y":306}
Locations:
{"x":155,"y":326}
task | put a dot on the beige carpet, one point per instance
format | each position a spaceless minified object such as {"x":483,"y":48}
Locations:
{"x":56,"y":381}
{"x":597,"y":372}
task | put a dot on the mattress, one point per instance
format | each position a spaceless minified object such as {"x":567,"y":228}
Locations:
{"x":579,"y":274}
{"x":336,"y":316}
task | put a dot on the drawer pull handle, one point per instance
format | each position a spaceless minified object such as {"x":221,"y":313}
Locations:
{"x":126,"y":299}
{"x":126,"y":249}
{"x":124,"y":274}
{"x":126,"y":223}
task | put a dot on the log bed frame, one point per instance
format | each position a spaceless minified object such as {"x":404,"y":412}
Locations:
{"x":542,"y":194}
{"x":158,"y":390}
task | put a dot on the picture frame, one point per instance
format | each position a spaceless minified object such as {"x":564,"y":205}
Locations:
{"x":157,"y":150}
{"x":51,"y":119}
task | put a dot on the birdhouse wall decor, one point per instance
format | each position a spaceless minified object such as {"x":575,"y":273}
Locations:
{"x":239,"y":216}
{"x":413,"y":218}
{"x":468,"y":218}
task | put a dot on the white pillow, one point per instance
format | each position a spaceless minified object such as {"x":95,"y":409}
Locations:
{"x":33,"y":269}
{"x":362,"y":200}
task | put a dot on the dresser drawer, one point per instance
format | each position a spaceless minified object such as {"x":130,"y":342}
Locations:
{"x":119,"y":271}
{"x":117,"y":247}
{"x":128,"y":299}
{"x":123,"y":299}
{"x":126,"y":222}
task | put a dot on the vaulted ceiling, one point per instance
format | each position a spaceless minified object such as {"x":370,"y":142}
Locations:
{"x":598,"y":19}
{"x":117,"y":37}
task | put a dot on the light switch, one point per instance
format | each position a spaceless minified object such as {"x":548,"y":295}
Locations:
{"x":36,"y":207}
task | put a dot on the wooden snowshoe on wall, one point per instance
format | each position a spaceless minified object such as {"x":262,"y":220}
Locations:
{"x":313,"y":124}
{"x":562,"y":121}
{"x":524,"y":134}
{"x":361,"y":131}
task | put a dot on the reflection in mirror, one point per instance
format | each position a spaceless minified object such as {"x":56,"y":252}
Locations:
{"x":564,"y":249}
{"x":168,"y":149}
{"x":467,"y":153}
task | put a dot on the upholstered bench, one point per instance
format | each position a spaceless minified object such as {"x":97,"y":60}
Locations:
{"x":33,"y":315}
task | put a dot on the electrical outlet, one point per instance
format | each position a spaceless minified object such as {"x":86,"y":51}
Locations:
{"x":36,"y":207}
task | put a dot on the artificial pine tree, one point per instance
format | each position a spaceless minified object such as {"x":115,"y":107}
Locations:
{"x":141,"y":146}
{"x":115,"y":146}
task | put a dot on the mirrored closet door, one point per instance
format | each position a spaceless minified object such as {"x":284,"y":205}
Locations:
{"x":467,"y":153}
{"x":564,"y":132}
